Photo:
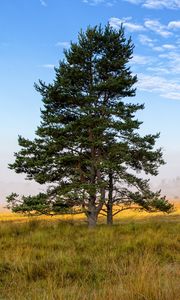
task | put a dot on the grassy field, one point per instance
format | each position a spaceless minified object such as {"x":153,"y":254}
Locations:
{"x":125,"y":216}
{"x":137,"y":259}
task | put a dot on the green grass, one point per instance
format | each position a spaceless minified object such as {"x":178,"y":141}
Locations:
{"x":57,"y":260}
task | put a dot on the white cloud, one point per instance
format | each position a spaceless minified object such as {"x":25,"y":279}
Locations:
{"x":157,"y":27}
{"x":164,"y":47}
{"x":158,"y":70}
{"x":48,"y":66}
{"x":172,"y":61}
{"x":63,"y":44}
{"x":158,"y":48}
{"x":149,"y":24}
{"x":93,"y":2}
{"x":134,"y":1}
{"x":152,"y":25}
{"x":169,"y":46}
{"x":141,"y":60}
{"x":116,"y":23}
{"x":96,"y":2}
{"x":157,"y":4}
{"x":43,"y":3}
{"x":145,"y":40}
{"x":174,"y":24}
{"x":167,"y":88}
{"x":172,"y":95}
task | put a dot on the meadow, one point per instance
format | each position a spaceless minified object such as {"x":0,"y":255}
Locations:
{"x":60,"y":258}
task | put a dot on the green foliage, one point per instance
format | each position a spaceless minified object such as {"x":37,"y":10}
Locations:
{"x":28,"y":204}
{"x":150,"y":201}
{"x":88,"y":134}
{"x":38,"y":204}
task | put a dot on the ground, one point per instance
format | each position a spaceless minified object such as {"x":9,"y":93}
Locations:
{"x":59,"y":258}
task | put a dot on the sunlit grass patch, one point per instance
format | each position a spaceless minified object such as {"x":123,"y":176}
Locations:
{"x":58,"y":260}
{"x":124,"y":216}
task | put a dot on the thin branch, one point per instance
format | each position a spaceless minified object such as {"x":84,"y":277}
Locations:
{"x":131,"y":207}
{"x":105,"y":215}
{"x":104,"y":210}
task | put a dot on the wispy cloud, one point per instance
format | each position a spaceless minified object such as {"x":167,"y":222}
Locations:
{"x":172,"y":95}
{"x":150,"y":24}
{"x":48,"y":66}
{"x":93,"y":2}
{"x":63,"y":44}
{"x":157,"y":27}
{"x":145,"y":40}
{"x":167,"y":88}
{"x":174,"y":25}
{"x":158,"y":70}
{"x":43,"y":3}
{"x":97,"y":2}
{"x":116,"y":23}
{"x":158,"y":48}
{"x":172,"y":62}
{"x":157,"y":4}
{"x":169,"y":46}
{"x":142,"y":60}
{"x":164,"y":47}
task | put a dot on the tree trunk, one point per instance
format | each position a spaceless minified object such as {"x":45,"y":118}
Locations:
{"x":93,"y":212}
{"x":92,"y":219}
{"x":109,"y":214}
{"x":110,"y":201}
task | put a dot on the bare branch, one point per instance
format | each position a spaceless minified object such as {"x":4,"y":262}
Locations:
{"x":126,"y":208}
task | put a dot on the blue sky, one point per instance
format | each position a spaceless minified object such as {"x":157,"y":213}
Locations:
{"x":32,"y":37}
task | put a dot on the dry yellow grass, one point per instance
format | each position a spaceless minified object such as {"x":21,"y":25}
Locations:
{"x":136,"y":215}
{"x":137,"y":259}
{"x":42,"y":260}
{"x":124,"y":216}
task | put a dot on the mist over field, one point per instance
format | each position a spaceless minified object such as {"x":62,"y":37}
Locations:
{"x":169,"y":187}
{"x":168,"y":180}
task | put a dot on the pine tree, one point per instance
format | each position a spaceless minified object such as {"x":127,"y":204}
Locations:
{"x":133,"y":193}
{"x":88,"y":135}
{"x":127,"y":158}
